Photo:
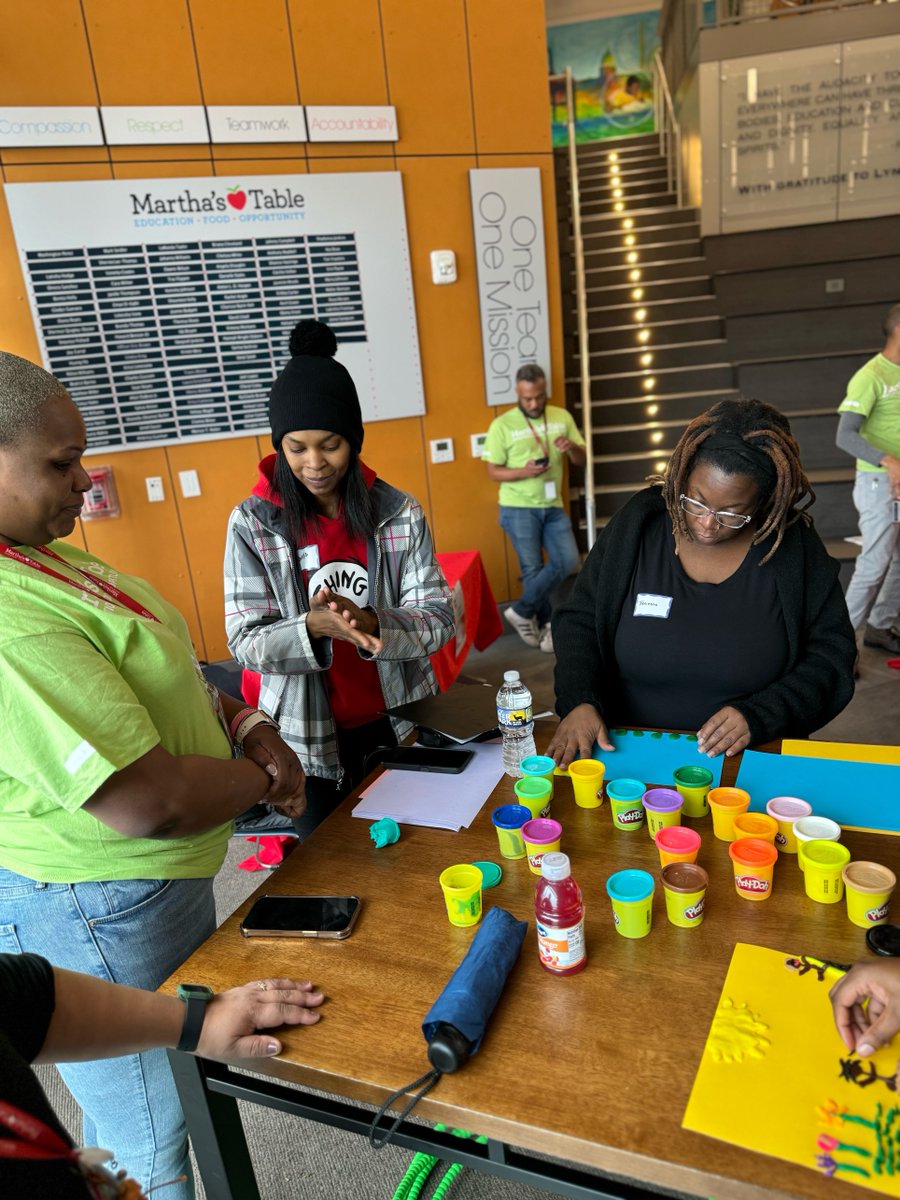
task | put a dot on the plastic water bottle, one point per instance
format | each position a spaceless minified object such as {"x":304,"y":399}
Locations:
{"x":559,"y":916}
{"x":515,"y":721}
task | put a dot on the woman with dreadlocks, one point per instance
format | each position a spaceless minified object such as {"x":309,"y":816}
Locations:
{"x":709,"y":601}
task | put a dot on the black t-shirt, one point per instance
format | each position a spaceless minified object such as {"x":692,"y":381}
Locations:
{"x":685,"y":649}
{"x":27,"y":1001}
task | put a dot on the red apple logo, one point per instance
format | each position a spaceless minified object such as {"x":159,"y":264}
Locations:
{"x":236,"y":197}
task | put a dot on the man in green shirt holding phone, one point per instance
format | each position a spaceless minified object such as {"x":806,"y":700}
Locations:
{"x":524,"y":452}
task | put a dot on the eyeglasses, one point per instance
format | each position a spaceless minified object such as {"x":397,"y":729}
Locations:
{"x":730,"y":520}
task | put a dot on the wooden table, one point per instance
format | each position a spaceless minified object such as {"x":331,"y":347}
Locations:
{"x":594,"y":1070}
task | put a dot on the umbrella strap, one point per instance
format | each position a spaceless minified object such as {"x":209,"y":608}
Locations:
{"x":428,"y":1080}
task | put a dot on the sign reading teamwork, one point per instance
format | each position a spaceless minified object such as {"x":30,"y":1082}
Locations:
{"x":508,"y":218}
{"x":50,"y":127}
{"x":256,"y":123}
{"x":166,"y":305}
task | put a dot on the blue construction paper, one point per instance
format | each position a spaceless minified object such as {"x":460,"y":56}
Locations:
{"x":651,"y":756}
{"x":863,"y":794}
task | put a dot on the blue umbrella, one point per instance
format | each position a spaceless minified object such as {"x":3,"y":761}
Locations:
{"x":456,"y":1022}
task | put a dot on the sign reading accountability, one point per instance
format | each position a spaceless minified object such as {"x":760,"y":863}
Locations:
{"x":512,"y":275}
{"x":50,"y":127}
{"x":166,"y":305}
{"x":256,"y":123}
{"x":159,"y":125}
{"x":351,"y":123}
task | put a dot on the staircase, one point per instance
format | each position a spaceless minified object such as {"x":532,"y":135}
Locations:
{"x":657,"y":351}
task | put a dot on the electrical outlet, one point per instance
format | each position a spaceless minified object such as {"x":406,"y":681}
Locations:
{"x":834,"y":285}
{"x":478,"y":440}
{"x":441,"y":450}
{"x":155,"y":492}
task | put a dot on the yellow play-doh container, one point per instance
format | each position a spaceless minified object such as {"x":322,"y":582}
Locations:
{"x":587,"y":781}
{"x":868,"y":887}
{"x":694,"y":783}
{"x":755,"y":825}
{"x":786,"y":810}
{"x":725,"y":803}
{"x":461,"y":885}
{"x":685,"y":888}
{"x":823,"y":870}
{"x":754,"y":863}
{"x":535,"y":792}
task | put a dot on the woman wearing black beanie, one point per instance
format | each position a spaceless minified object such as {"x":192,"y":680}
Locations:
{"x":333,"y":595}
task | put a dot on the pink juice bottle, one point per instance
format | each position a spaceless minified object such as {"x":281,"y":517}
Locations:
{"x":559,"y":915}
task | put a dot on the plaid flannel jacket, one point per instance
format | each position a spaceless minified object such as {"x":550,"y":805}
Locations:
{"x":266,"y":608}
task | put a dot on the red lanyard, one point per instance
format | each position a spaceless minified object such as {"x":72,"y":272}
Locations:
{"x":543,"y":446}
{"x":37,"y":1139}
{"x":114,"y":593}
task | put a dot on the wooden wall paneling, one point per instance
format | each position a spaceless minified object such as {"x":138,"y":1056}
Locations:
{"x":163,"y":168}
{"x":463,"y":499}
{"x":59,"y":155}
{"x":347,"y":68}
{"x":146,"y":538}
{"x":46,"y":58}
{"x":17,"y":332}
{"x":428,"y":74}
{"x":246,"y":165}
{"x":227,"y":470}
{"x":143,"y":54}
{"x":244,"y":52}
{"x":508,"y":55}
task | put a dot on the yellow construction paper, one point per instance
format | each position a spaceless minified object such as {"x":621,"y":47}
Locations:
{"x":776,"y":1077}
{"x":850,"y":751}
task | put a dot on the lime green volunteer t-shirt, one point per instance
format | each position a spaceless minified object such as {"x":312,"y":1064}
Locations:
{"x":874,"y":391}
{"x":513,"y":440}
{"x":86,"y":688}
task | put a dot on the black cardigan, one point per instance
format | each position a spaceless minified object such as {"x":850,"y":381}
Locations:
{"x":818,"y":680}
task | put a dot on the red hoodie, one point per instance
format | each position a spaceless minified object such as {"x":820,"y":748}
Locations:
{"x":335,"y":559}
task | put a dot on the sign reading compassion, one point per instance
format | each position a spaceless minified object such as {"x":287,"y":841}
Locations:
{"x":508,"y":220}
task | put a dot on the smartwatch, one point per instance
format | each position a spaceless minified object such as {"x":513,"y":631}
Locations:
{"x":196,"y":996}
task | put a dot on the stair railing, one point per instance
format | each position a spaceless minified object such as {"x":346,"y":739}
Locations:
{"x":587,"y":429}
{"x":668,"y":129}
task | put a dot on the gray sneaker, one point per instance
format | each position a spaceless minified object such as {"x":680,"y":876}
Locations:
{"x":525,"y":627}
{"x":884,"y":639}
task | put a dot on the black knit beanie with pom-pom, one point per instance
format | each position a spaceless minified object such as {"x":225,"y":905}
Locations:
{"x":314,"y":391}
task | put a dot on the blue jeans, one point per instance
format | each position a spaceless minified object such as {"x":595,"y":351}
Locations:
{"x":873,"y":593}
{"x":134,"y":931}
{"x":530,"y":530}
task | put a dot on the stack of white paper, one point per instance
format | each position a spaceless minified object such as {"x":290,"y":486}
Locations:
{"x":437,"y":801}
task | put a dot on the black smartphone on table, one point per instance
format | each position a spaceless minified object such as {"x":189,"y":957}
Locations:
{"x":301,"y":916}
{"x":427,"y":758}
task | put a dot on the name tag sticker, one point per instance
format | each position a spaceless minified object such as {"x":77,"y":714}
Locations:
{"x":550,"y":490}
{"x":648,"y":605}
{"x":309,"y":557}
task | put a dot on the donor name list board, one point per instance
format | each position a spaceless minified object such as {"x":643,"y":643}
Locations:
{"x":166,"y":306}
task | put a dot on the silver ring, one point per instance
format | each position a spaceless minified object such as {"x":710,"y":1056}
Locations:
{"x":262,"y":985}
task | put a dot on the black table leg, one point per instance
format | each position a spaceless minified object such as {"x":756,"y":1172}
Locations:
{"x":216,"y":1132}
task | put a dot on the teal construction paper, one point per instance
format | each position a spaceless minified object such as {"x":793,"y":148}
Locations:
{"x":851,"y":793}
{"x":652,"y":756}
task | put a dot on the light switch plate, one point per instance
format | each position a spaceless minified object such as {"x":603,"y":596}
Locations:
{"x":441,"y":450}
{"x":190,"y":484}
{"x":443,"y":266}
{"x":155,"y":492}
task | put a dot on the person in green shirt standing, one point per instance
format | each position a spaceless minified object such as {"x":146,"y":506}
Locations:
{"x":524,"y":452}
{"x":869,"y":429}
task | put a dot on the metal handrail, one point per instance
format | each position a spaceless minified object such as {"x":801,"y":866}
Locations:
{"x":587,"y":424}
{"x":668,"y":128}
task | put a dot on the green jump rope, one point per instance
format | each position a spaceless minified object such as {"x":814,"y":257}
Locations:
{"x":422,"y":1165}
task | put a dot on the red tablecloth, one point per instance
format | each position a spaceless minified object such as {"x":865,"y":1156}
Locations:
{"x":474,"y":608}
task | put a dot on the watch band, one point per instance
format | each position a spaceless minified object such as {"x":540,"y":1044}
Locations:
{"x":252,"y":721}
{"x":196,"y":997}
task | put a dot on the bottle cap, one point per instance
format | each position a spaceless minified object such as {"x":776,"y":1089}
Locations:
{"x":510,"y":676}
{"x":555,"y":865}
